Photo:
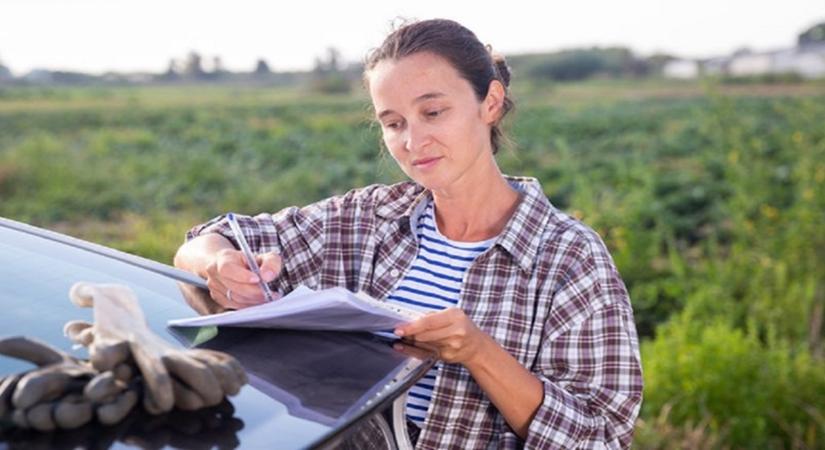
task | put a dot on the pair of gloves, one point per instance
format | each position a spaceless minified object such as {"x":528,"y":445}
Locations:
{"x":127,"y":361}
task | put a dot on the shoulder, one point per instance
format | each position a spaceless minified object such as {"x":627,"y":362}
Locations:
{"x":565,"y":233}
{"x":555,"y":230}
{"x":570,"y":254}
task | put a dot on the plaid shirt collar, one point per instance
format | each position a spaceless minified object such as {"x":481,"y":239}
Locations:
{"x":533,"y":213}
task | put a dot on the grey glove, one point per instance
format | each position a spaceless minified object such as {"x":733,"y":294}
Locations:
{"x":201,"y":377}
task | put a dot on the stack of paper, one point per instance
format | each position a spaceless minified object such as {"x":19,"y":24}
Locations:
{"x":305,"y":309}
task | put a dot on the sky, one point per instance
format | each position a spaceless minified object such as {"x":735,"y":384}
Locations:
{"x":129,"y":35}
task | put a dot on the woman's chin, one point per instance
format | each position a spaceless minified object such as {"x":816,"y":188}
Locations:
{"x":428,"y":181}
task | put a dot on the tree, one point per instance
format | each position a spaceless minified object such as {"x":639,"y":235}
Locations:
{"x":582,"y":63}
{"x":172,"y":72}
{"x":328,"y":77}
{"x":656,"y":63}
{"x":218,"y":70}
{"x":217,"y":65}
{"x":5,"y":73}
{"x":192,"y":67}
{"x":330,"y":64}
{"x":262,"y":68}
{"x":812,"y":36}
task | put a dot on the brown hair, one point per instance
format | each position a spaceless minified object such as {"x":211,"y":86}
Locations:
{"x":450,"y":40}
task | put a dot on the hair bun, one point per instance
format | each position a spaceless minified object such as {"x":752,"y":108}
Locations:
{"x":502,"y":69}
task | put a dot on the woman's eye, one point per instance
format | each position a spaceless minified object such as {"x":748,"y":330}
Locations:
{"x":434,"y":113}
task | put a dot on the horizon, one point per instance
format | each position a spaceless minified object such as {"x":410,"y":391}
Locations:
{"x":97,"y":37}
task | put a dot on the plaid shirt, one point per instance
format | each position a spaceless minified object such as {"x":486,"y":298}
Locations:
{"x":547,"y":291}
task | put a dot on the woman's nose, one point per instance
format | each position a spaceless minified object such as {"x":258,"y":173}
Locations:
{"x":416,"y":138}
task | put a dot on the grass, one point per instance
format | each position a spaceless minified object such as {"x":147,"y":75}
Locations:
{"x":709,"y":196}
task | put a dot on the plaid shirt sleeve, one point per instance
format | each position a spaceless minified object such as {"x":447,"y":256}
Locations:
{"x":589,"y":362}
{"x":322,"y":244}
{"x":295,"y":233}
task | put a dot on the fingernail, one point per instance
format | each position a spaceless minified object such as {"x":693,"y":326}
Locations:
{"x":253,"y":279}
{"x":399,"y":332}
{"x":269,"y":275}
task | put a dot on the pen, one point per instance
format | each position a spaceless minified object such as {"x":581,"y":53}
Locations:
{"x":247,"y":253}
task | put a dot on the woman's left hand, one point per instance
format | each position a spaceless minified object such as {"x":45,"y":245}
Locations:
{"x":449,"y":332}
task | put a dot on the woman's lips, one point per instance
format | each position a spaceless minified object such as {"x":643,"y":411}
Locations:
{"x":425,"y":162}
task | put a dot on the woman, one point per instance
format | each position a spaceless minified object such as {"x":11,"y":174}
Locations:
{"x":530,"y":318}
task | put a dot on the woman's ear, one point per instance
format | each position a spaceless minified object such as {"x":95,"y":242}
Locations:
{"x":493,"y":103}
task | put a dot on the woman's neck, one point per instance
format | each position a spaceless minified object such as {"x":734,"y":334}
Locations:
{"x":476,"y":214}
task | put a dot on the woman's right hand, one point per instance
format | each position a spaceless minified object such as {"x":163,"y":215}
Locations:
{"x":232,"y":285}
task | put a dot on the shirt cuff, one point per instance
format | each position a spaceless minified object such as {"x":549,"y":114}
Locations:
{"x":561,"y":421}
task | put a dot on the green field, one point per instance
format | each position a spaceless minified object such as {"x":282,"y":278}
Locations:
{"x":711,"y":198}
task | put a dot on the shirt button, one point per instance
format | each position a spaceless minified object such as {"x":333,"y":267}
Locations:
{"x":394,"y":273}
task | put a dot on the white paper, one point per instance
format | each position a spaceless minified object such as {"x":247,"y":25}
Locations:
{"x":334,"y":309}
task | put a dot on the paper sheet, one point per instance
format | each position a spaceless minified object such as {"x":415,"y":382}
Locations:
{"x":329,"y":309}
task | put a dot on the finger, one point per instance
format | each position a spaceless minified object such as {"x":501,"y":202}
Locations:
{"x":246,"y":293}
{"x":235,"y":301}
{"x":40,"y":386}
{"x":105,"y":356}
{"x":438,"y":335}
{"x":72,"y":411}
{"x":225,"y":368}
{"x":221,"y":300}
{"x":7,"y":387}
{"x":158,"y":396}
{"x":218,"y":291}
{"x":196,"y":375}
{"x":429,"y":322}
{"x":114,"y":412}
{"x":231,"y":265}
{"x":32,"y":350}
{"x":81,"y":294}
{"x":185,"y":398}
{"x":271,"y":265}
{"x":40,"y":418}
{"x":79,"y":332}
{"x":85,"y":337}
{"x":229,"y":361}
{"x":103,"y":388}
{"x":18,"y":417}
{"x":123,"y":372}
{"x":243,"y":294}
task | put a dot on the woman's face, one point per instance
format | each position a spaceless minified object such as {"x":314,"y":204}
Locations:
{"x":432,"y":122}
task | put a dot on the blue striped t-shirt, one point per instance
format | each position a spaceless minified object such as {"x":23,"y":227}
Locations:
{"x":433,"y":283}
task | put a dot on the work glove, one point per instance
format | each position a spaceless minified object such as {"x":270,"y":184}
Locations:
{"x":62,"y":392}
{"x":126,"y":359}
{"x":188,"y":379}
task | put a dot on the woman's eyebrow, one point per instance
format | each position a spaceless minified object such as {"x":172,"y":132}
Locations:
{"x":428,"y":96}
{"x":419,"y":99}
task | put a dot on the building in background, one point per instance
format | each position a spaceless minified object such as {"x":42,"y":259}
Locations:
{"x":681,"y":68}
{"x":806,"y":59}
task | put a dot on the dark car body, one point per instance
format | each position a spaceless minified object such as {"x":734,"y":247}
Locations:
{"x":307,"y":389}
